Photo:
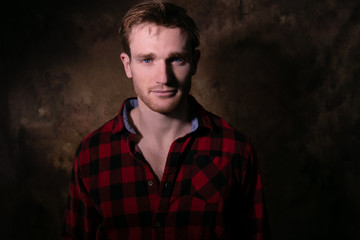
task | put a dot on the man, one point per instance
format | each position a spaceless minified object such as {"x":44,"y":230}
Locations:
{"x":164,"y":168}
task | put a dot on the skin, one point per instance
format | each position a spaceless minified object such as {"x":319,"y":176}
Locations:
{"x":161,"y":66}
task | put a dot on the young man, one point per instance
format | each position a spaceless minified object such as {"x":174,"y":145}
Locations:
{"x":164,"y":168}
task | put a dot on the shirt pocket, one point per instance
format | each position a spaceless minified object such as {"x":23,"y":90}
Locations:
{"x":195,"y":219}
{"x":210,"y":178}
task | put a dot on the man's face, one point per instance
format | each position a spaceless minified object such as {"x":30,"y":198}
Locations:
{"x":161,"y":66}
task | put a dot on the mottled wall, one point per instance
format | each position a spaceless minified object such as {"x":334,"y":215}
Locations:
{"x":286,"y":73}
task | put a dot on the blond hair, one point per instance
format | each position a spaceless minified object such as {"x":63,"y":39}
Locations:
{"x":161,"y":13}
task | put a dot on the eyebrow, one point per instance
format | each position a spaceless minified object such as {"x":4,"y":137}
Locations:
{"x":183,"y":55}
{"x":144,"y":56}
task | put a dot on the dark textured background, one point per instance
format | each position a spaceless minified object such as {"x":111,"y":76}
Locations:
{"x":286,"y":73}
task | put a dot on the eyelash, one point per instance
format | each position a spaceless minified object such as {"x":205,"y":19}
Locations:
{"x":147,"y":60}
{"x":178,"y":60}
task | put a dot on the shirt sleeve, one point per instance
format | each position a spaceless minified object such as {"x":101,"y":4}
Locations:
{"x":247,"y":205}
{"x":81,"y":220}
{"x":253,"y":196}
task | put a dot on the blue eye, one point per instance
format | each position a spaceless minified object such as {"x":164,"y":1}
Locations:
{"x":177,"y":60}
{"x":147,"y":60}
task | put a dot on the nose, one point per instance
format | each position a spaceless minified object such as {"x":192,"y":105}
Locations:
{"x":163,"y":73}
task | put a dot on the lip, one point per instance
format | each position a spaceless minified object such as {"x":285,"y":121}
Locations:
{"x":164,"y":93}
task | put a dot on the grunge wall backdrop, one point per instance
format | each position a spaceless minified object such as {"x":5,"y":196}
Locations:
{"x":286,"y":73}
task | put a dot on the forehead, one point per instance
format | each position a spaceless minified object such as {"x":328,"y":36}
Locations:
{"x":151,"y":35}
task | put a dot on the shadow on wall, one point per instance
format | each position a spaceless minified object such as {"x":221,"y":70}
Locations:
{"x":299,"y":103}
{"x":292,"y":88}
{"x":33,"y":205}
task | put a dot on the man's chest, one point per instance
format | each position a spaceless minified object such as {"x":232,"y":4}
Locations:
{"x":156,"y":157}
{"x":195,"y":186}
{"x":184,"y":175}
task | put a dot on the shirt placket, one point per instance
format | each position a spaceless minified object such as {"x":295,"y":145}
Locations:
{"x":160,"y":192}
{"x":149,"y":177}
{"x":152,"y":186}
{"x":157,"y":198}
{"x":166,"y":186}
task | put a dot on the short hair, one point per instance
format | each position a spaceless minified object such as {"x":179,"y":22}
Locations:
{"x":161,"y":13}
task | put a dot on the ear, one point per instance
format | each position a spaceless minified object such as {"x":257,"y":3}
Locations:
{"x":195,"y":61}
{"x":126,"y":61}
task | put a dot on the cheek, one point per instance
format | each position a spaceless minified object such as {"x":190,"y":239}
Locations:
{"x":182,"y":73}
{"x":137,"y":88}
{"x":142,"y":72}
{"x":137,"y":76}
{"x":140,"y":81}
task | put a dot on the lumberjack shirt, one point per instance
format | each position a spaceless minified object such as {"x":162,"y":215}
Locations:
{"x":210,"y":189}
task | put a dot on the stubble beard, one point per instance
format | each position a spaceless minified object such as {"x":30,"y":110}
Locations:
{"x":165,"y":105}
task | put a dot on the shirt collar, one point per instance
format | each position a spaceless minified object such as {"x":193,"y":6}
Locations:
{"x":128,"y":106}
{"x":200,"y":117}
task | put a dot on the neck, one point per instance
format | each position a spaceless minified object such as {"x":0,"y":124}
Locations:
{"x":161,"y":127}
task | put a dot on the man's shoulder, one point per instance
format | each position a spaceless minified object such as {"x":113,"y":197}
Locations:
{"x":217,"y":125}
{"x":100,"y":135}
{"x":106,"y":132}
{"x":223,"y":128}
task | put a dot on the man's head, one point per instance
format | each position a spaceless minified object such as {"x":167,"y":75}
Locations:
{"x":160,"y":54}
{"x":160,"y":13}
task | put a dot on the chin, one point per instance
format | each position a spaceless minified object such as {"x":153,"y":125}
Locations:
{"x":165,"y":106}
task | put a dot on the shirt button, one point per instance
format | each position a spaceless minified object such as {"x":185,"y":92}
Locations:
{"x":158,"y":224}
{"x":150,"y":183}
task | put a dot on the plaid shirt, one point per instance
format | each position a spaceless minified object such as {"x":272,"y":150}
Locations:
{"x":210,"y":189}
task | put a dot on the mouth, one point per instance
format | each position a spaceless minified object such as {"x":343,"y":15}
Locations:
{"x":164,"y":93}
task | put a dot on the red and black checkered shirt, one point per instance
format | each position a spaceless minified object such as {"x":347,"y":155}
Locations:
{"x":210,"y":189}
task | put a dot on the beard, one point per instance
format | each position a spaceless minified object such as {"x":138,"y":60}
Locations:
{"x":164,"y":105}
